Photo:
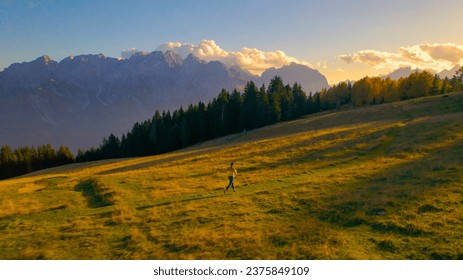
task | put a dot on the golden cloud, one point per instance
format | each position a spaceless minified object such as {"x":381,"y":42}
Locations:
{"x":436,"y":57}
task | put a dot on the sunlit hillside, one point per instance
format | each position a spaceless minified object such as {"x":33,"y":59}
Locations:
{"x":379,"y":182}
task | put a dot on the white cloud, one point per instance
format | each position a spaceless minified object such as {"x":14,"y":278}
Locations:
{"x":436,"y":57}
{"x":128,"y":53}
{"x":182,"y":49}
{"x":251,"y":59}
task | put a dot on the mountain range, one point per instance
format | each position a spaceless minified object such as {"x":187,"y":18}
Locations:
{"x":81,"y":99}
{"x":406,"y":71}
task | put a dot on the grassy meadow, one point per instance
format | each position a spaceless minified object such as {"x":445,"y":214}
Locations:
{"x":379,"y":182}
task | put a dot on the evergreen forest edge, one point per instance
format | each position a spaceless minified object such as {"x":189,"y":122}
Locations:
{"x":227,"y":114}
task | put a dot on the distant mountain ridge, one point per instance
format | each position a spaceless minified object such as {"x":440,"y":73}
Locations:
{"x":449,"y":73}
{"x":401,"y":73}
{"x":81,"y":99}
{"x":310,"y":79}
{"x":406,"y":71}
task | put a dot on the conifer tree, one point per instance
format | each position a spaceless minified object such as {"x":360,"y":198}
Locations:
{"x":300,"y":99}
{"x":221,"y":112}
{"x":248,"y":112}
{"x":64,"y":156}
{"x":457,"y":80}
{"x":286,"y":104}
{"x":435,"y":89}
{"x":310,"y":106}
{"x":262,"y":114}
{"x":233,"y":112}
{"x":202,"y":122}
{"x":110,"y":147}
{"x":317,"y":103}
{"x":6,"y":161}
{"x":274,"y":91}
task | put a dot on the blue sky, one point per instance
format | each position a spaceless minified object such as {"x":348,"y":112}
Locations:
{"x":314,"y":31}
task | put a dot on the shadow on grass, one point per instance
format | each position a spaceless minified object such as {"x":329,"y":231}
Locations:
{"x":176,"y":155}
{"x":96,"y":193}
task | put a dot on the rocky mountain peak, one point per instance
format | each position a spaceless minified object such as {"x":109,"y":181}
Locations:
{"x":45,"y":59}
{"x":173,"y":59}
{"x":192,"y":59}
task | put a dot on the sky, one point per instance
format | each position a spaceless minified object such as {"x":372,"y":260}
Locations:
{"x":340,"y":38}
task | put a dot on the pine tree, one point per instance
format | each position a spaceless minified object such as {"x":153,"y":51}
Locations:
{"x":177,"y":120}
{"x":248,"y":113}
{"x":221,"y":112}
{"x":80,"y":154}
{"x":233,"y":112}
{"x":155,"y":132}
{"x":318,"y":102}
{"x":262,"y":114}
{"x":435,"y":89}
{"x":64,"y":156}
{"x":110,"y":147}
{"x":274,"y":91}
{"x":457,"y":80}
{"x":446,"y":87}
{"x":46,"y":155}
{"x":286,"y":104}
{"x":6,"y":162}
{"x":201,"y":115}
{"x":310,"y":105}
{"x":165,"y":141}
{"x":300,"y":100}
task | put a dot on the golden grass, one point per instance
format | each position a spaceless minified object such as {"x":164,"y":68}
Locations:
{"x":382,"y":182}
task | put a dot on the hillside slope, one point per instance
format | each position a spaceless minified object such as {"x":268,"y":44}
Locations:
{"x":380,"y":182}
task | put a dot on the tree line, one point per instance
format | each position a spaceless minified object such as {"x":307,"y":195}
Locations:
{"x":256,"y":107}
{"x":376,"y":90}
{"x":23,"y":160}
{"x":230,"y":113}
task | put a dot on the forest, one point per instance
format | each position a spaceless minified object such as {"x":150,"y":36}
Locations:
{"x":23,"y":160}
{"x":230,"y":113}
